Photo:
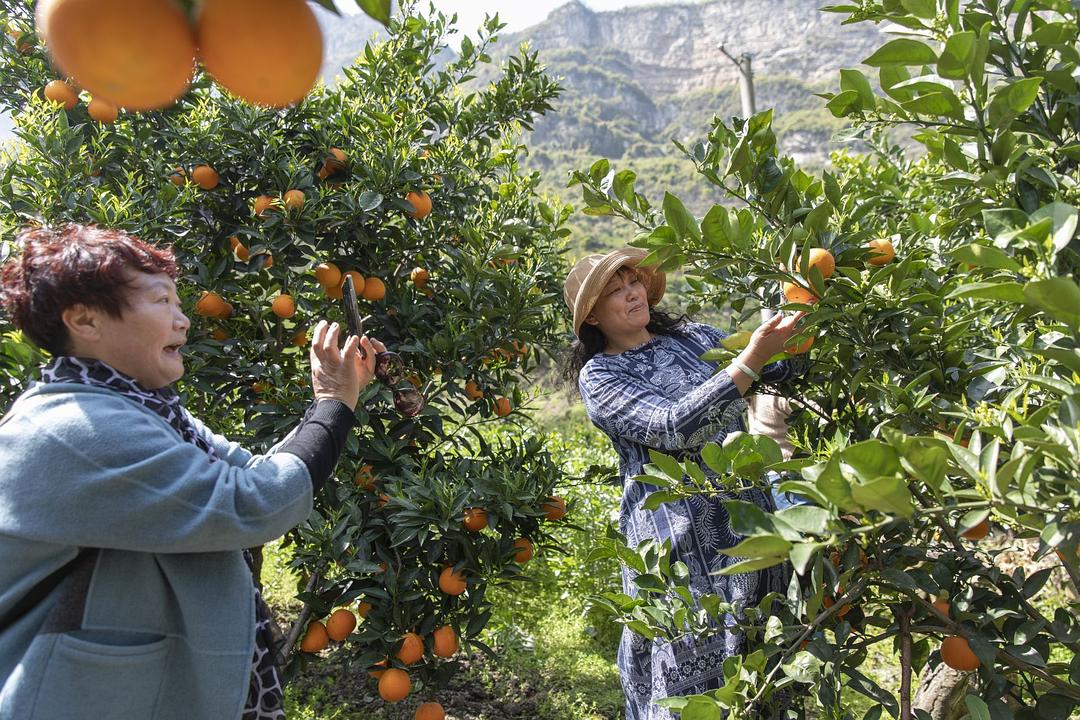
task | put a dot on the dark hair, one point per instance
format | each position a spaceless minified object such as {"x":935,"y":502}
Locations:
{"x":592,"y":341}
{"x":75,"y":264}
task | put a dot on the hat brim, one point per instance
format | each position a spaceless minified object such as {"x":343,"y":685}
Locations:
{"x":594,"y":282}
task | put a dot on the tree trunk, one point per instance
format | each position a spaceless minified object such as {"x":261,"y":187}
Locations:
{"x":941,"y":693}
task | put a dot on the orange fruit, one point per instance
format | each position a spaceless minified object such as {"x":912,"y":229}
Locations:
{"x":828,"y":602}
{"x":266,"y":53}
{"x":503,"y":406}
{"x":315,"y":637}
{"x":956,"y":653}
{"x":446,"y":641}
{"x":823,"y":260}
{"x":430,"y":711}
{"x":294,"y":199}
{"x":340,"y":624}
{"x":299,"y":338}
{"x":60,"y":92}
{"x":334,"y":162}
{"x":334,"y":292}
{"x":881,"y":252}
{"x":227,"y":312}
{"x":421,"y":203}
{"x":798,"y":348}
{"x":978,"y":532}
{"x":283,"y":306}
{"x":210,"y":304}
{"x":476,"y":519}
{"x":942,"y":606}
{"x":363,"y":609}
{"x":411,"y":650}
{"x":797,"y":294}
{"x":473,"y":391}
{"x":365,"y":478}
{"x":520,"y":348}
{"x":554,"y":508}
{"x":524,"y":551}
{"x":262,"y":203}
{"x":205,"y":177}
{"x":179,"y":177}
{"x":374,"y":289}
{"x":394,"y":685}
{"x":358,"y":282}
{"x":220,"y":334}
{"x":383,"y":499}
{"x":378,"y":673}
{"x":450,"y":582}
{"x":327,"y":274}
{"x":137,"y":54}
{"x":419,"y":276}
{"x":241,"y":250}
{"x":269,"y":261}
{"x":102,"y":110}
{"x":415,"y":381}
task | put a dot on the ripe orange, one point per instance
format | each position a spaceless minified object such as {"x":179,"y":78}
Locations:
{"x":363,"y":609}
{"x":446,"y":641}
{"x":419,"y":276}
{"x":358,"y":283}
{"x":503,"y":406}
{"x":102,"y":110}
{"x":421,"y":203}
{"x":340,"y":624}
{"x":205,"y":177}
{"x":430,"y":711}
{"x":210,"y":305}
{"x":294,"y":199}
{"x":956,"y":653}
{"x":283,"y":306}
{"x":220,"y":334}
{"x":378,"y":673}
{"x":179,"y":177}
{"x":227,"y":312}
{"x":327,"y":274}
{"x":266,"y":53}
{"x":334,"y":292}
{"x":137,"y":54}
{"x":411,"y":650}
{"x":942,"y":606}
{"x":520,"y":348}
{"x":835,"y":558}
{"x":797,"y":294}
{"x":881,"y":252}
{"x":315,"y":638}
{"x":450,"y":582}
{"x":334,"y":163}
{"x":828,"y":601}
{"x":524,"y":551}
{"x":365,"y":478}
{"x":262,"y":203}
{"x":978,"y":532}
{"x":269,"y":261}
{"x":383,"y":500}
{"x":554,"y":508}
{"x":823,"y":260}
{"x":798,"y":348}
{"x":241,"y":250}
{"x":374,"y":289}
{"x":394,"y":685}
{"x":473,"y":391}
{"x":476,"y":519}
{"x":60,"y":92}
{"x":299,"y":338}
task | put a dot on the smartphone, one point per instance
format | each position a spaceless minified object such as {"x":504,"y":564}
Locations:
{"x":352,"y":311}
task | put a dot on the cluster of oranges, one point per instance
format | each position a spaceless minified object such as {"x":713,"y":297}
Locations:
{"x":141,"y":54}
{"x":332,"y":280}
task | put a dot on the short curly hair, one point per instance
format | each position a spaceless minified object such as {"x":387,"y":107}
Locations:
{"x":70,"y":265}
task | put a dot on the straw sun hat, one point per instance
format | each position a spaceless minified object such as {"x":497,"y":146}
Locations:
{"x":591,"y":273}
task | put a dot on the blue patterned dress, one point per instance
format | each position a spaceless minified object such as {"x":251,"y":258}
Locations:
{"x":661,"y":395}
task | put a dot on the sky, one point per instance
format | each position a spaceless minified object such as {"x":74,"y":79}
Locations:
{"x":517,"y":14}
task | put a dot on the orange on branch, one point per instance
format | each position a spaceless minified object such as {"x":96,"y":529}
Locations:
{"x":473,"y":391}
{"x":61,"y":93}
{"x":430,"y":711}
{"x":283,"y":306}
{"x":239,"y":248}
{"x":394,"y":685}
{"x":102,"y":110}
{"x":476,"y":519}
{"x":957,"y":654}
{"x":554,"y":508}
{"x":798,"y":348}
{"x":977,"y":532}
{"x":797,"y":294}
{"x":358,"y":282}
{"x":942,"y":606}
{"x":365,"y":478}
{"x":446,"y":641}
{"x":137,"y":54}
{"x":881,"y":252}
{"x":315,"y":637}
{"x":340,"y":624}
{"x":327,"y":274}
{"x":421,"y":203}
{"x":452,"y":583}
{"x":265,"y":53}
{"x":294,"y":199}
{"x":178,"y":177}
{"x":523,"y":552}
{"x":374,"y":289}
{"x":299,"y":338}
{"x":503,"y":406}
{"x":363,"y":609}
{"x":210,"y":304}
{"x":823,"y":260}
{"x":411,"y":650}
{"x":205,"y":177}
{"x":419,"y":276}
{"x":262,"y":204}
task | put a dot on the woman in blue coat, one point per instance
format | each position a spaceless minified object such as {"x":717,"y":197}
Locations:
{"x":640,"y":375}
{"x":124,"y":592}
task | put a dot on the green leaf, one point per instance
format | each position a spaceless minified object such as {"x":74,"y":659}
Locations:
{"x":1011,"y":99}
{"x":985,"y":256}
{"x":701,"y":707}
{"x":716,"y":227}
{"x":943,"y":103}
{"x":759,"y":546}
{"x":751,"y":565}
{"x":956,"y":57}
{"x":679,"y":218}
{"x":1058,"y":297}
{"x":1063,"y":218}
{"x":870,"y":459}
{"x":855,"y":80}
{"x":806,"y":518}
{"x":977,"y":707}
{"x":802,"y":554}
{"x":1007,"y":291}
{"x":377,"y":9}
{"x":926,"y":9}
{"x":844,"y":103}
{"x":667,"y":465}
{"x":887,"y":494}
{"x":902,"y":51}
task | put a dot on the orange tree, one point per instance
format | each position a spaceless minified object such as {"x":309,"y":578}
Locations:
{"x":404,"y":176}
{"x":940,"y":402}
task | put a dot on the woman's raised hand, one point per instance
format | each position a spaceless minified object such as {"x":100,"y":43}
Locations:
{"x":770,"y":338}
{"x":341,"y":373}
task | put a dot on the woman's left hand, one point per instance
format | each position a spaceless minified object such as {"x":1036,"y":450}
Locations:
{"x":340,"y":374}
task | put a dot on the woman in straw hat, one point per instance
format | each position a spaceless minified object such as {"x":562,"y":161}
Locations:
{"x":640,"y":375}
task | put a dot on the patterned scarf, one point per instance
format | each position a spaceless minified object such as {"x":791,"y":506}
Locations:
{"x":164,"y":402}
{"x":265,"y":694}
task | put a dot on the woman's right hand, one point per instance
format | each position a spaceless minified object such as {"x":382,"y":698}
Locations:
{"x":340,"y":374}
{"x":770,"y":338}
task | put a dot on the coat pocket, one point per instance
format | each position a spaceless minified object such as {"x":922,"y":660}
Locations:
{"x":85,"y":679}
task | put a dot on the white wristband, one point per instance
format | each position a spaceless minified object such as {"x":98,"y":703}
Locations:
{"x":741,"y":367}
